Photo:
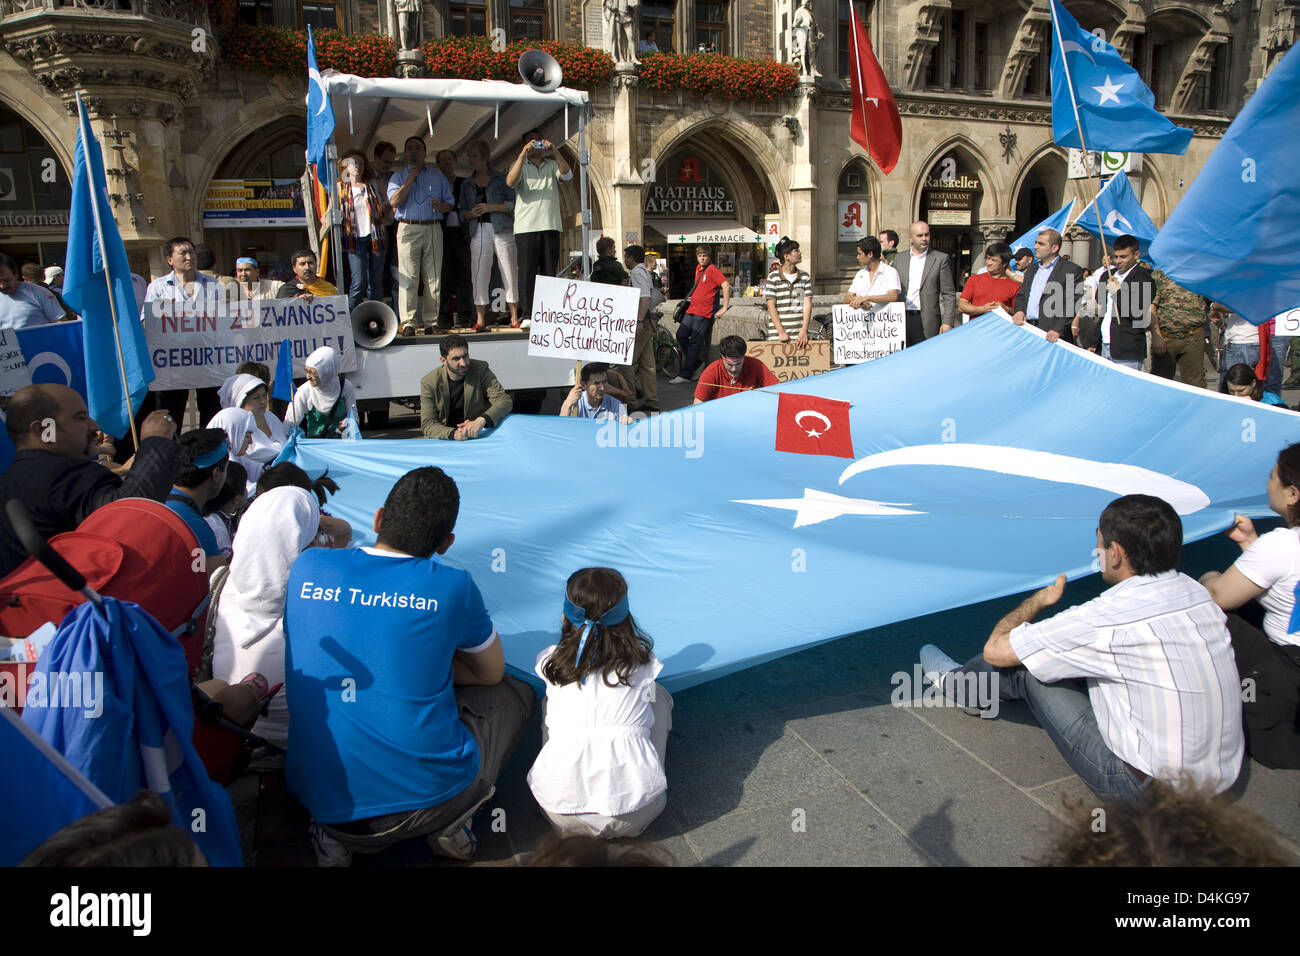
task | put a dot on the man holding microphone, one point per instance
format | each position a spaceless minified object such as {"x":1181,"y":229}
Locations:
{"x":420,"y":197}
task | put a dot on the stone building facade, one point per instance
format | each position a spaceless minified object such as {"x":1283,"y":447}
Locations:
{"x":970,"y":77}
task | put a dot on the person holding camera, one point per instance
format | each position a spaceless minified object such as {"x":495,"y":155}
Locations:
{"x":535,"y":177}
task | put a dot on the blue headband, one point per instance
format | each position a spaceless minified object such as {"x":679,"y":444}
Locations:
{"x":578,"y":618}
{"x":245,"y":261}
{"x":212,"y":457}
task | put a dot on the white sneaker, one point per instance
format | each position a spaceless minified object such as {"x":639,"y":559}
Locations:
{"x":329,"y":851}
{"x":678,"y":380}
{"x":935,"y":665}
{"x":456,"y":846}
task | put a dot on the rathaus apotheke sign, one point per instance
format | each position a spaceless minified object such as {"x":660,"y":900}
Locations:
{"x":688,"y":188}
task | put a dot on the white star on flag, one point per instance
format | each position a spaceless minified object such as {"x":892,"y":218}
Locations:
{"x":1108,"y":91}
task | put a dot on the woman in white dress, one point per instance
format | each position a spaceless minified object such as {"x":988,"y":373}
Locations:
{"x":238,"y":426}
{"x":249,"y":634}
{"x":325,"y":401}
{"x":251,"y":394}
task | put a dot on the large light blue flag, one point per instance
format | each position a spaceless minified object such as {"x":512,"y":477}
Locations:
{"x":43,"y":792}
{"x":96,"y":255}
{"x":1094,"y":88}
{"x":320,"y":118}
{"x":1121,"y":213}
{"x":736,"y":553}
{"x":1225,"y":239}
{"x":1057,"y":220}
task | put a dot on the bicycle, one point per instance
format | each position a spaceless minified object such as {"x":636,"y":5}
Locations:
{"x":668,"y":354}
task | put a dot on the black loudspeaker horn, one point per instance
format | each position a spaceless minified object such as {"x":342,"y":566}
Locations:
{"x":374,"y":325}
{"x":540,"y":71}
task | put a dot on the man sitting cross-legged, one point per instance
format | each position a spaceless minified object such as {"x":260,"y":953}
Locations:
{"x":1137,"y":683}
{"x":400,"y":713}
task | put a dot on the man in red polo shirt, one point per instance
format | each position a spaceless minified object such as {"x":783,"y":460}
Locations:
{"x":693,"y":333}
{"x":734,"y":372}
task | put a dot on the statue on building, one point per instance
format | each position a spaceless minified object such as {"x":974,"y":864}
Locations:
{"x":407,"y":16}
{"x":621,"y":20}
{"x":805,"y":39}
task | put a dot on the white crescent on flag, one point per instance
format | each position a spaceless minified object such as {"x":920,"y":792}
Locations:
{"x":313,"y":78}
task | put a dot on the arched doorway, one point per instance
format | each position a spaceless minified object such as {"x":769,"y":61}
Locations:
{"x":254,"y":202}
{"x":853,"y":222}
{"x":950,"y":197}
{"x":707,"y":194}
{"x":1041,"y":192}
{"x":35,"y":193}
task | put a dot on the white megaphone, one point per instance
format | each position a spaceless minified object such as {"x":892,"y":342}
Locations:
{"x":540,"y":71}
{"x":374,"y":325}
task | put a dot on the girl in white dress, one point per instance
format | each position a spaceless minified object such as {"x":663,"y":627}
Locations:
{"x":605,"y":733}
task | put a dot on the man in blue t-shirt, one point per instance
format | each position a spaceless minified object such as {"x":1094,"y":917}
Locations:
{"x":401,"y":715}
{"x":202,"y":474}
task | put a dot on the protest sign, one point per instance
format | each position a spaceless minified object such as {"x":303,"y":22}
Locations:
{"x":200,"y":343}
{"x":1287,"y":323}
{"x":591,"y":321}
{"x":865,"y":334}
{"x":788,"y":363}
{"x":13,"y":367}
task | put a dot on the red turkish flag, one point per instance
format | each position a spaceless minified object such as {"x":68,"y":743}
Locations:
{"x":876,"y":126}
{"x":808,"y":425}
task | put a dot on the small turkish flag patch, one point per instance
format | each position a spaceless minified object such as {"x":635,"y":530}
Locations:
{"x":808,"y":425}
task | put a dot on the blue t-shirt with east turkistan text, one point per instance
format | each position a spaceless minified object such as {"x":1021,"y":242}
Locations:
{"x":373,"y":722}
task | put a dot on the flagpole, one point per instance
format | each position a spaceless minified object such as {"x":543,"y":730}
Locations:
{"x":857,"y":68}
{"x":1078,"y":123}
{"x":86,"y":140}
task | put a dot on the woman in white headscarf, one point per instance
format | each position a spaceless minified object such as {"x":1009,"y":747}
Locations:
{"x":323,"y":403}
{"x":250,"y":393}
{"x":239,"y":427}
{"x":249,"y":636}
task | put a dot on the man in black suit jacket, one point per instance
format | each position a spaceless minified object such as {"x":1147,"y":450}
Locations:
{"x":1050,"y":301}
{"x":1124,"y":294}
{"x":932,"y":305}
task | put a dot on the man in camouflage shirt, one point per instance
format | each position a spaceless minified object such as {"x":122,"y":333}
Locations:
{"x":1177,"y":317}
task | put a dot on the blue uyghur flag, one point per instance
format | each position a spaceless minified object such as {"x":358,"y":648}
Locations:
{"x":1225,"y":240}
{"x":320,"y":117}
{"x":56,"y":355}
{"x":1115,"y":108}
{"x":283,"y":381}
{"x":1057,"y":220}
{"x":42,"y":791}
{"x":770,"y":552}
{"x":96,"y":253}
{"x":1121,"y":213}
{"x":124,"y":718}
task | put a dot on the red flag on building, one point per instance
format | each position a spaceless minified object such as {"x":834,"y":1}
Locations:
{"x":876,"y":125}
{"x":808,"y":425}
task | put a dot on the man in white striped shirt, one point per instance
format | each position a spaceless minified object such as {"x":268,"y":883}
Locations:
{"x":1138,"y":683}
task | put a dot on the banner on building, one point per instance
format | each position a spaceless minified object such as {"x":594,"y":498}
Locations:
{"x":865,"y":334}
{"x":589,"y":321}
{"x":253,"y":204}
{"x":198,"y":345}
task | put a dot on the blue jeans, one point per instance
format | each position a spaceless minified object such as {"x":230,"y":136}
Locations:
{"x":1279,"y":347}
{"x":1064,"y":710}
{"x":1237,"y":355}
{"x":1127,"y":363}
{"x":690,"y":336}
{"x":367,"y":270}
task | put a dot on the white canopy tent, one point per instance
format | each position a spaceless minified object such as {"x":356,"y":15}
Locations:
{"x":449,"y":114}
